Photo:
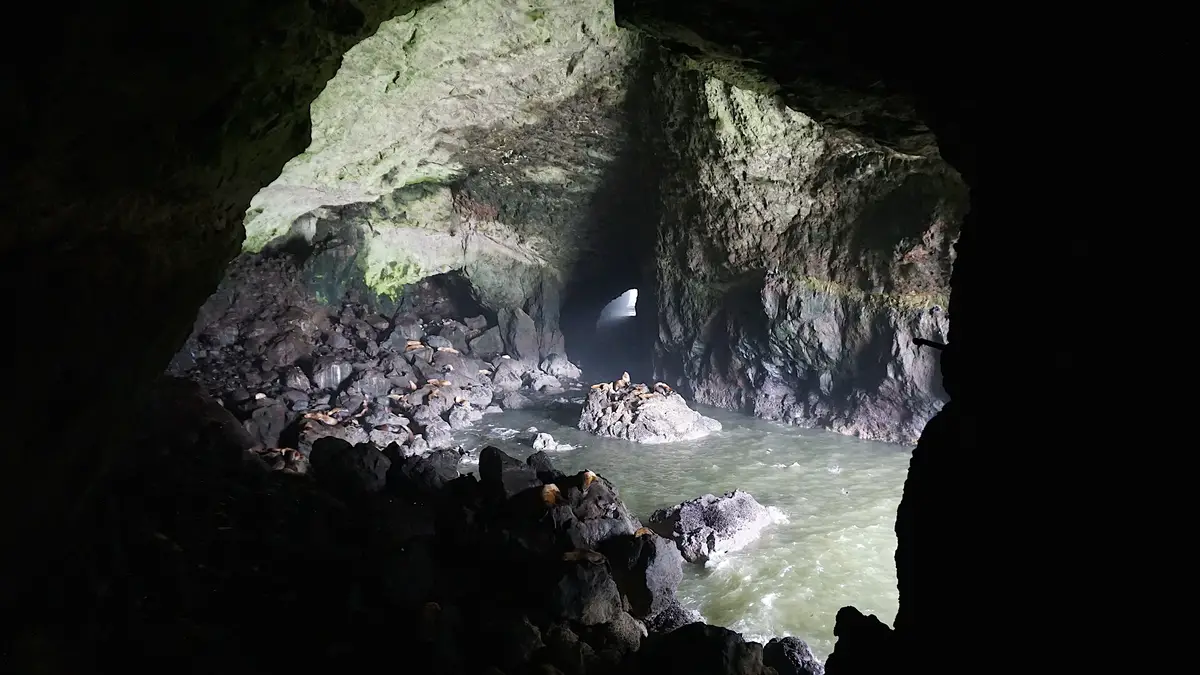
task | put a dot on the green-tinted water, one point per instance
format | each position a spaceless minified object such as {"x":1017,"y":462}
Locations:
{"x":837,"y":496}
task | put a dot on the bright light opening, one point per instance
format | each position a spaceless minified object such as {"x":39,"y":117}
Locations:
{"x":623,"y":307}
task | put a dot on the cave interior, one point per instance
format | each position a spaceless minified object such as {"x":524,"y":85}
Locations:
{"x":148,"y":133}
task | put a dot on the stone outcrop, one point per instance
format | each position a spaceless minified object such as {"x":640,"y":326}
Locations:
{"x":796,"y":264}
{"x":635,"y":412}
{"x":466,"y":135}
{"x":709,"y":525}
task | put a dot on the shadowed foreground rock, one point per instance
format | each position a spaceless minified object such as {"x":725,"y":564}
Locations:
{"x":525,"y":568}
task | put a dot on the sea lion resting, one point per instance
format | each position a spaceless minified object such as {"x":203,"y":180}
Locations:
{"x":641,"y":413}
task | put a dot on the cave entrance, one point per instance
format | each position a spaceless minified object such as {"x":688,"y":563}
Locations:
{"x":623,"y":308}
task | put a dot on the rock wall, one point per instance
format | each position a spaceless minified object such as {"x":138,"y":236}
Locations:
{"x":466,"y":135}
{"x":796,"y":264}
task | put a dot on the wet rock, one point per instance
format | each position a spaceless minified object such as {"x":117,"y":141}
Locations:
{"x":622,"y":635}
{"x":331,"y":373}
{"x":791,"y":656}
{"x":295,"y":399}
{"x":286,"y":350}
{"x":438,"y":342}
{"x":544,"y":441}
{"x":488,"y":345}
{"x":647,"y":569}
{"x":422,"y":474}
{"x":559,"y":366}
{"x":406,"y":328}
{"x":372,"y":384}
{"x":636,"y":413}
{"x":520,"y":334}
{"x":673,"y":617}
{"x":349,"y":469}
{"x":547,"y":384}
{"x":460,"y":417}
{"x":710,"y":525}
{"x":515,"y":401}
{"x":504,"y":474}
{"x":313,"y":431}
{"x":294,"y":378}
{"x":267,"y":423}
{"x":456,"y":333}
{"x":385,"y":436}
{"x":476,"y":323}
{"x":337,"y":341}
{"x":438,"y":434}
{"x":586,"y":594}
{"x":543,"y":468}
{"x":700,"y":649}
{"x":479,"y":394}
{"x":349,"y":400}
{"x":509,"y":375}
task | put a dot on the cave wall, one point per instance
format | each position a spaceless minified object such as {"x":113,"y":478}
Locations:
{"x":796,"y":263}
{"x":470,"y":135}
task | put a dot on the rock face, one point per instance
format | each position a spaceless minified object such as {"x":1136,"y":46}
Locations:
{"x":710,"y":525}
{"x":465,"y":135}
{"x":797,"y":264}
{"x":635,"y":413}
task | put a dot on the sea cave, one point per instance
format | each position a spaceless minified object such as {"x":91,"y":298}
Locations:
{"x":501,"y":337}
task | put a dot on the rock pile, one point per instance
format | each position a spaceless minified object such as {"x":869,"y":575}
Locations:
{"x":523,"y":570}
{"x":642,"y":414}
{"x":301,"y":371}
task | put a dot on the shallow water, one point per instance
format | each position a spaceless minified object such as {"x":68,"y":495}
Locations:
{"x":837,"y":497}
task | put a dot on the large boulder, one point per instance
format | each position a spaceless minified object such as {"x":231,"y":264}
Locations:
{"x":710,"y":525}
{"x":635,"y":413}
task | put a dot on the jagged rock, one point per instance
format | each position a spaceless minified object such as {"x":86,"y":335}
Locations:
{"x":672,"y":617}
{"x":295,"y":399}
{"x":701,"y":649}
{"x":267,"y":423}
{"x":311,"y":432}
{"x":559,"y":366}
{"x":438,"y":342}
{"x":791,"y":656}
{"x":286,"y":350}
{"x":634,"y":413}
{"x":488,"y":345}
{"x":509,"y":375}
{"x":456,"y":333}
{"x":503,"y":474}
{"x":460,"y":417}
{"x":710,"y":525}
{"x":515,"y":401}
{"x":337,"y":341}
{"x":438,"y":434}
{"x":349,"y":469}
{"x":404,"y":329}
{"x":520,"y":334}
{"x":331,"y":373}
{"x":586,"y":594}
{"x":546,"y":383}
{"x":476,"y":323}
{"x":647,"y":569}
{"x":421,"y":474}
{"x":294,"y":378}
{"x":372,"y":384}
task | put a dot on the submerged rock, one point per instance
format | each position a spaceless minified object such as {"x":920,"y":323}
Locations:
{"x":636,"y":413}
{"x":711,"y":525}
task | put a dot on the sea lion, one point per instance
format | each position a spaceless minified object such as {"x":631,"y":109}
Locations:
{"x":321,"y":417}
{"x":451,"y":350}
{"x":663,"y":388}
{"x":584,"y":555}
{"x":551,"y":495}
{"x":643,"y":531}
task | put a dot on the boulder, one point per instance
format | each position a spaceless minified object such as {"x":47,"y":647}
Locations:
{"x":347,"y":469}
{"x":636,"y":413}
{"x":791,"y":656}
{"x":558,"y":366}
{"x":711,"y":525}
